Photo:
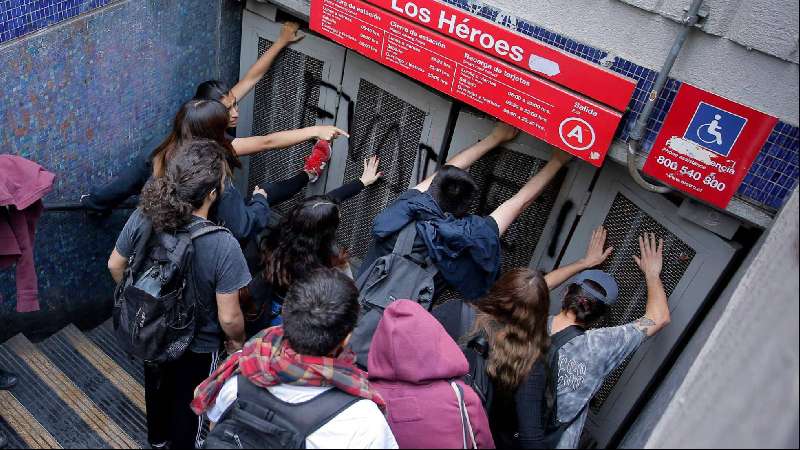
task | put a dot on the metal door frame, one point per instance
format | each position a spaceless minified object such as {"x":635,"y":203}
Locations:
{"x":713,"y":256}
{"x":471,"y":128}
{"x":437,"y":109}
{"x":331,"y":54}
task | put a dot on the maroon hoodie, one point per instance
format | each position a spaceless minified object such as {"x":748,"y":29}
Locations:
{"x":412,"y":361}
{"x":22,"y":185}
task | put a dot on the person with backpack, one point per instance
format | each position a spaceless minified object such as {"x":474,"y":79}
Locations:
{"x":130,"y":182}
{"x":296,"y":385}
{"x":426,"y":241}
{"x":581,"y":357}
{"x":504,"y":336}
{"x":177,"y":300}
{"x":417,"y":368}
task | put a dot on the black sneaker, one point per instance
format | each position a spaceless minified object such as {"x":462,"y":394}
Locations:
{"x":7,"y":380}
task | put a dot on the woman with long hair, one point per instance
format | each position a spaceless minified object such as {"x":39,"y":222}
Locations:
{"x":130,"y":182}
{"x":507,"y":330}
{"x":305,"y":240}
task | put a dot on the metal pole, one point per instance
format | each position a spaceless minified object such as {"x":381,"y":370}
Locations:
{"x":691,"y":19}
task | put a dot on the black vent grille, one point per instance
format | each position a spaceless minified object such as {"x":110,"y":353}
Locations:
{"x":625,"y":223}
{"x":285,"y":99}
{"x":383,"y":124}
{"x":500,"y":175}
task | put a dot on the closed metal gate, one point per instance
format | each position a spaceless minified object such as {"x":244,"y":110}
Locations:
{"x":290,"y":96}
{"x":694,"y":259}
{"x":394,"y":118}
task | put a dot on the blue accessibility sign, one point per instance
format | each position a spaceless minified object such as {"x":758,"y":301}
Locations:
{"x":715,"y":129}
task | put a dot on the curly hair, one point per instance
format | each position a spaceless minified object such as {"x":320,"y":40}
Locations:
{"x":304,"y":241}
{"x":189,"y":177}
{"x":513,"y":317}
{"x":197,"y":119}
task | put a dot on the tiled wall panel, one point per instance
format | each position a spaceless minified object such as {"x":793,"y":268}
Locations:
{"x":20,"y":17}
{"x":82,"y":98}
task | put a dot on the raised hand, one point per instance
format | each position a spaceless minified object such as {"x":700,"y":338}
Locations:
{"x":652,"y":255}
{"x":503,"y":132}
{"x":259,"y":191}
{"x":329,"y":133}
{"x":290,"y":33}
{"x":595,"y":253}
{"x":371,"y":174}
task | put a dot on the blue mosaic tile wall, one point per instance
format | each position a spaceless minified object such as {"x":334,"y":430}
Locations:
{"x":20,"y":17}
{"x":772,"y":178}
{"x":82,"y":99}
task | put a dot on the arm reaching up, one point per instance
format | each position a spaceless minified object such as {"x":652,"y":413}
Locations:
{"x":508,"y":212}
{"x":501,"y":134}
{"x":283,"y":139}
{"x":288,"y":36}
{"x":657,"y":315}
{"x":596,"y":254}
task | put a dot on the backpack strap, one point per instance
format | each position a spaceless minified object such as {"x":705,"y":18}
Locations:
{"x":559,"y":340}
{"x":307,"y":417}
{"x":557,"y":428}
{"x":202,"y":228}
{"x":468,"y":315}
{"x":405,"y":241}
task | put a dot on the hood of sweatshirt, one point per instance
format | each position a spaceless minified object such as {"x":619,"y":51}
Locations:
{"x":411,"y":346}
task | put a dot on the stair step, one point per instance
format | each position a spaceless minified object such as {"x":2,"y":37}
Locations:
{"x":106,"y":384}
{"x":23,"y":428}
{"x":104,"y":338}
{"x":56,"y":402}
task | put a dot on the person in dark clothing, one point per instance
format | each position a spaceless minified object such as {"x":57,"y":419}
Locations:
{"x":512,"y":318}
{"x":305,"y":240}
{"x":130,"y":181}
{"x":464,"y":247}
{"x":193,"y":180}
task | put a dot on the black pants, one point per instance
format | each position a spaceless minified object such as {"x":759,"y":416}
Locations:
{"x":169,"y":389}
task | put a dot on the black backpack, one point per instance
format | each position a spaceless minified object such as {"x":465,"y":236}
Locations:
{"x":401,"y":275}
{"x":154,"y":304}
{"x":554,"y":429}
{"x":258,"y":419}
{"x":477,"y":353}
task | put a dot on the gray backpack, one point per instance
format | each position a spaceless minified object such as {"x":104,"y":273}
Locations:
{"x":401,"y":275}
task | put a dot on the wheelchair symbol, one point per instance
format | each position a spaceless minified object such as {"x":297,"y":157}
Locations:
{"x":713,"y":131}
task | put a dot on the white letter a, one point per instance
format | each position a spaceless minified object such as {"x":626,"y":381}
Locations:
{"x":576,"y":132}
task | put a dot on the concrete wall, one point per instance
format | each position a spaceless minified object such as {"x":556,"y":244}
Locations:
{"x":720,"y":60}
{"x":83,"y":97}
{"x":742,"y":389}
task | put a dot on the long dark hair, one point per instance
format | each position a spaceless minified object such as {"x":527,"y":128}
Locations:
{"x":189,"y":177}
{"x":513,"y":317}
{"x":197,"y":119}
{"x":212,"y":90}
{"x":304,"y":241}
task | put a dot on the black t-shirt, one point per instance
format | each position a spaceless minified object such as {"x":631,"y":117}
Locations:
{"x":218,"y":267}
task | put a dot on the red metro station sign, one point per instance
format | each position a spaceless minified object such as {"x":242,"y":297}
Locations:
{"x":530,"y":85}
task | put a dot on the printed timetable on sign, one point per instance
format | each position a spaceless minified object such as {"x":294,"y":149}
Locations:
{"x":570,"y":121}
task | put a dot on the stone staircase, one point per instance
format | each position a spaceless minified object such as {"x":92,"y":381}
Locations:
{"x":76,"y":390}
